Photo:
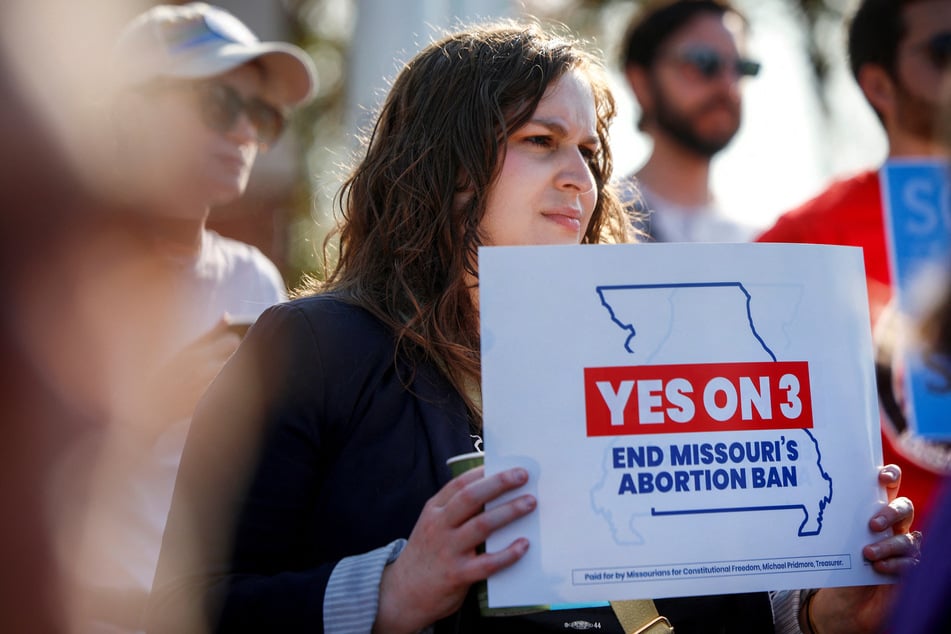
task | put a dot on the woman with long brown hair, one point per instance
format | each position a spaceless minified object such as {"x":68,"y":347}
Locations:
{"x":314,"y":493}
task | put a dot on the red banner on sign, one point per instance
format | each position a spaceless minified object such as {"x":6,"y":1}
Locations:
{"x":699,"y":397}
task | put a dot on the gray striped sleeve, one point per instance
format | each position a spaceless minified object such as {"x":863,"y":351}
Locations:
{"x":353,"y":590}
{"x":785,"y":604}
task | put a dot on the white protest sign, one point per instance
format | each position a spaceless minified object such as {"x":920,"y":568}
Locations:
{"x":695,"y":418}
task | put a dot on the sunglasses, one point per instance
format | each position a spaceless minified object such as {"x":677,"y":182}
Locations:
{"x":709,"y":64}
{"x":938,"y":50}
{"x":220,"y":105}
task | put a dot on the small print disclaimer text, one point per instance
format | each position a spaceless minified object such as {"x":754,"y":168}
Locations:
{"x":707,"y":569}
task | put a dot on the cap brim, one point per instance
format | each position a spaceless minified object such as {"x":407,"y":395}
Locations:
{"x":290,"y":75}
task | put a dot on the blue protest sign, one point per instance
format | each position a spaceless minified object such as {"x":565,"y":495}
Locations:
{"x":917,"y":202}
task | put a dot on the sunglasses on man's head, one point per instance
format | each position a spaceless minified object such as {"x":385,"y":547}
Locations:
{"x":220,"y":105}
{"x":711,"y":64}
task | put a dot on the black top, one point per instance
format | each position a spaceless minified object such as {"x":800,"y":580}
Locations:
{"x":316,"y":443}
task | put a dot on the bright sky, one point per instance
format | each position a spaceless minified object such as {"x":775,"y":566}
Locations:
{"x":786,"y":151}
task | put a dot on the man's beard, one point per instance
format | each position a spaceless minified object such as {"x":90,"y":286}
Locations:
{"x":680,"y":125}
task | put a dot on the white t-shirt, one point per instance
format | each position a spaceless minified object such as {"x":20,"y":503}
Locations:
{"x":667,"y":221}
{"x":125,"y":533}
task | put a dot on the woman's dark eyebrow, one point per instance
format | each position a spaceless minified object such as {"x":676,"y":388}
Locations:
{"x":559,"y":129}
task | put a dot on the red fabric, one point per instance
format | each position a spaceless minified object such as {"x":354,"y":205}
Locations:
{"x":850,"y":213}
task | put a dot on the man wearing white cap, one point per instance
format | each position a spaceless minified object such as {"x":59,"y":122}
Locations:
{"x":198,"y":95}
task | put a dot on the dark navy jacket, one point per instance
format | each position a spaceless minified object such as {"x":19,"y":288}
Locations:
{"x":314,"y":444}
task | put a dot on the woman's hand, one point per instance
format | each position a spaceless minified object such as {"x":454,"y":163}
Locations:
{"x":430,"y":578}
{"x":865,"y":608}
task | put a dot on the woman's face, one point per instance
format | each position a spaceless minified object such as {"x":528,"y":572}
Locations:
{"x":546,"y":192}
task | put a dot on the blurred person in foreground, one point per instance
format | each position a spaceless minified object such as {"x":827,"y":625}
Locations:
{"x":684,"y":62}
{"x":900,"y":55}
{"x":44,"y":204}
{"x":197,"y":97}
{"x":321,"y":500}
{"x":924,"y":599}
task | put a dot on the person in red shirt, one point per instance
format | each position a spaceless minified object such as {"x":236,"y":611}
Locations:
{"x":900,"y":54}
{"x":849,"y":213}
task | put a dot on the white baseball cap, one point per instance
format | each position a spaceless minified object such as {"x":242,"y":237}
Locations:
{"x":197,"y":40}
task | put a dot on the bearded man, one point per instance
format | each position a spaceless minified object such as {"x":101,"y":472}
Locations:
{"x":684,"y":63}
